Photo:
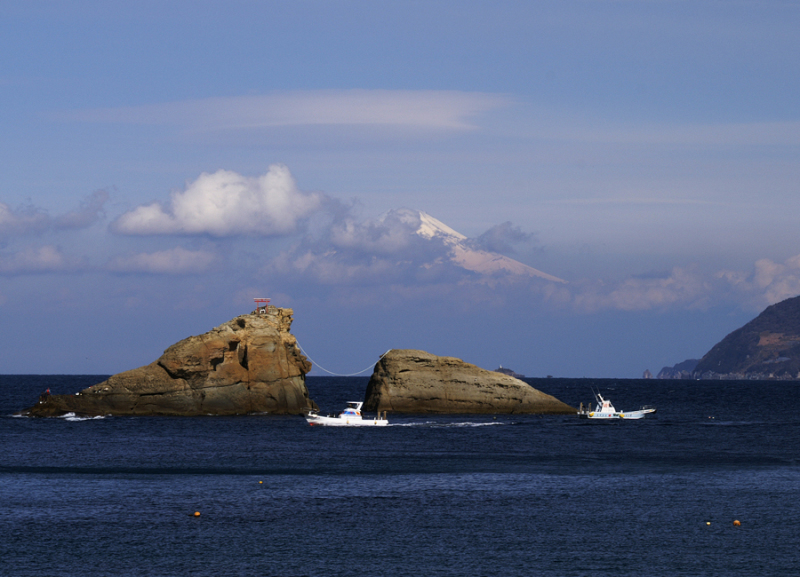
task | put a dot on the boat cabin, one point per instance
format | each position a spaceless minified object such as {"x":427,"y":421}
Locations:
{"x":605,"y":406}
{"x":353,"y":409}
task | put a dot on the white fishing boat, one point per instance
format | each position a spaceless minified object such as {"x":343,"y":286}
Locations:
{"x":605,"y":410}
{"x":350,"y":417}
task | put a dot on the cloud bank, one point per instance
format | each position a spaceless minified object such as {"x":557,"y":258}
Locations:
{"x":36,"y":260}
{"x":33,"y":220}
{"x":391,"y":256}
{"x":504,"y":238}
{"x":426,"y":109}
{"x":89,"y":212}
{"x":172,"y":261}
{"x":225,"y":204}
{"x":382,"y":251}
{"x":24,"y":220}
{"x":405,"y":253}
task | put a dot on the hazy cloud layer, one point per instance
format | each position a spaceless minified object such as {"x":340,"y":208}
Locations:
{"x":504,"y":238}
{"x":398,"y":253}
{"x":682,"y":288}
{"x":427,"y":109}
{"x":388,"y":252}
{"x":32,"y":260}
{"x":693,"y":287}
{"x":33,"y":220}
{"x":89,"y":212}
{"x":226,"y":204}
{"x":382,"y":251}
{"x":23,"y":220}
{"x":172,"y":261}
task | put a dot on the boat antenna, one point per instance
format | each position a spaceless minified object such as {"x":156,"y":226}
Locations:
{"x":320,"y":367}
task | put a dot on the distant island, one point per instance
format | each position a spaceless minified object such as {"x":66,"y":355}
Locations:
{"x":684,"y":370}
{"x":509,"y":372}
{"x":768,"y":347}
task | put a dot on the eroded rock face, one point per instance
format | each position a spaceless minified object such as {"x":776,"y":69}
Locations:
{"x":408,"y":381}
{"x":250,"y":364}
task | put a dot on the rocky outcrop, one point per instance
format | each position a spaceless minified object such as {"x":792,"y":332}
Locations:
{"x":250,"y":364}
{"x":408,"y":381}
{"x":768,"y":347}
{"x":684,"y":370}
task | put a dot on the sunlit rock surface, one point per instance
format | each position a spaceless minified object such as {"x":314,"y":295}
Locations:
{"x":409,"y":381}
{"x":250,"y":364}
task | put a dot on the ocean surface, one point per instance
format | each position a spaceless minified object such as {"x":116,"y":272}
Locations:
{"x":428,"y":495}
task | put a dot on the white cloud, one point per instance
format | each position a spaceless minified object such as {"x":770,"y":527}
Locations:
{"x":376,"y":252}
{"x":226,"y":204}
{"x":394,"y":233}
{"x":429,"y":109}
{"x":36,"y":260}
{"x":173,"y":261}
{"x":774,"y":282}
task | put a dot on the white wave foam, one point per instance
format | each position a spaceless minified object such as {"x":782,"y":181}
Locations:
{"x":443,"y":425}
{"x":72,"y":417}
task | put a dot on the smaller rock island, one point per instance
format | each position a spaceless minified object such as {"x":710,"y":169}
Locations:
{"x":250,"y":364}
{"x":410,"y":381}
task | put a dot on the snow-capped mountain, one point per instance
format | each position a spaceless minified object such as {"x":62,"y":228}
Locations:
{"x":462,"y":254}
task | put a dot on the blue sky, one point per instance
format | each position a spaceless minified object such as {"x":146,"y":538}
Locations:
{"x":166,"y":162}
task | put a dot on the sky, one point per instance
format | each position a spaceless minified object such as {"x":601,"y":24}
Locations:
{"x":164,"y":163}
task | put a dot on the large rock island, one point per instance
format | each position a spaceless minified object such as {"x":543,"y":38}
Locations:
{"x":408,"y":381}
{"x":250,"y":364}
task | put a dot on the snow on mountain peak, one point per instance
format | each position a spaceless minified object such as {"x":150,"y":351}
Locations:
{"x":467,"y":257}
{"x":430,"y":227}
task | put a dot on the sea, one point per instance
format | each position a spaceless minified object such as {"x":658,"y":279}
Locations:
{"x":488,"y":495}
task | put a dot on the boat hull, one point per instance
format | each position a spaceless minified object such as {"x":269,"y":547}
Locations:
{"x":629,"y":415}
{"x":317,"y":420}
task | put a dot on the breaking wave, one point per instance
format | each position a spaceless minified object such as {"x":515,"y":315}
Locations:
{"x":446,"y":425}
{"x":73,"y":417}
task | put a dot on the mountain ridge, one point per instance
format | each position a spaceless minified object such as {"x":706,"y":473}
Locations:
{"x":768,"y":347}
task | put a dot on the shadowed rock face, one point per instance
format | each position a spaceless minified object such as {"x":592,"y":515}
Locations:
{"x":407,"y":381}
{"x":767,"y":347}
{"x":250,"y":364}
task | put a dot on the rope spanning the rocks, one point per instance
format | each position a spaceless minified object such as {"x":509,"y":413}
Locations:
{"x":316,"y":364}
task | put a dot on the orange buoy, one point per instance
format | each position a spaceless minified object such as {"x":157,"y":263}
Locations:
{"x":260,"y":482}
{"x":197,"y":513}
{"x":736,"y":523}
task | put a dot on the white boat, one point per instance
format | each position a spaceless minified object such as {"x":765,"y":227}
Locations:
{"x":605,"y":410}
{"x":350,"y":417}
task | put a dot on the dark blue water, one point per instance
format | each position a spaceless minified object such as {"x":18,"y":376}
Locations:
{"x":456,"y":495}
